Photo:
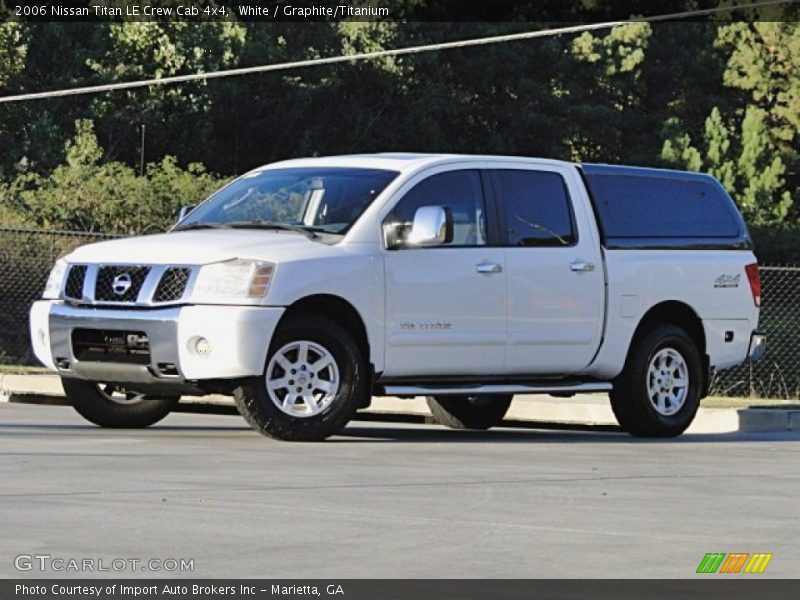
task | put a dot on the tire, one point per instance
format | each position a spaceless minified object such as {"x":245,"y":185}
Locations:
{"x":109,"y":406}
{"x":648,"y":398}
{"x":321,"y":400}
{"x":469,"y":412}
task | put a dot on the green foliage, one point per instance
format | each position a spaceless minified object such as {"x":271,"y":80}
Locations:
{"x":714,"y":96}
{"x":750,"y":146}
{"x":174,"y":115}
{"x":12,"y":50}
{"x":742,"y":160}
{"x":620,"y":51}
{"x":169,"y":187}
{"x":765,"y":61}
{"x":85,"y":194}
{"x":604,"y":90}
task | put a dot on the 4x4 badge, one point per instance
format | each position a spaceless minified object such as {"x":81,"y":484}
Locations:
{"x":727,"y":281}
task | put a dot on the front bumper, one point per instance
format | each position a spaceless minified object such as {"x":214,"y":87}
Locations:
{"x":757,"y":347}
{"x":238,"y":338}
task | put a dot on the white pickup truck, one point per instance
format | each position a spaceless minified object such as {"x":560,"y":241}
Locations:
{"x":306,"y":287}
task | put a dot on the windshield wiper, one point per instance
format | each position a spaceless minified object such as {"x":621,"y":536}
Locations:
{"x":256,"y":224}
{"x":259,"y":224}
{"x":202,"y":226}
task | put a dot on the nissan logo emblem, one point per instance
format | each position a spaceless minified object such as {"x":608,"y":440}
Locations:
{"x":121,"y":284}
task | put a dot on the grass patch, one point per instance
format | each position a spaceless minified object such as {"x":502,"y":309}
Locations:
{"x":23,"y":370}
{"x":735,"y":402}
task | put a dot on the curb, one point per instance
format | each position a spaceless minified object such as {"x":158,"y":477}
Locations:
{"x":202,"y":405}
{"x":765,"y":420}
{"x":581,"y":413}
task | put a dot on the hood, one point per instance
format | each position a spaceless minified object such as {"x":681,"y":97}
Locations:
{"x":198,"y":247}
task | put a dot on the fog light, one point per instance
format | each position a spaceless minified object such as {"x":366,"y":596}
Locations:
{"x":202,"y":346}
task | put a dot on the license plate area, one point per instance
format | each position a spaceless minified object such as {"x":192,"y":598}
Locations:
{"x":111,"y":345}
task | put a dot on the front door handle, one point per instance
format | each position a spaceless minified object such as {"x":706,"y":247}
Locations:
{"x":581,"y":266}
{"x":487,"y":267}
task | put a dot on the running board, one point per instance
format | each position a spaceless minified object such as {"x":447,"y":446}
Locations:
{"x":553,"y":388}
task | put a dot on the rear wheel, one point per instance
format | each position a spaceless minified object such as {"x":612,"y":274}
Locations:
{"x":659,"y":390}
{"x":314,"y":381}
{"x":109,"y":405}
{"x":469,"y":412}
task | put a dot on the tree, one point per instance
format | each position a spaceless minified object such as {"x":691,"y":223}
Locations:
{"x":750,"y":143}
{"x":742,"y":160}
{"x":765,"y":62}
{"x":86,"y":194}
{"x":13,"y":50}
{"x":47,"y":56}
{"x":605,"y":92}
{"x":175,"y":115}
{"x":603,"y":96}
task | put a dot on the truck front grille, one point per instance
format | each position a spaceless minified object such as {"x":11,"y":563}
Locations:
{"x":128,"y":285}
{"x":74,"y":287}
{"x":172,"y":285}
{"x":119,"y":283}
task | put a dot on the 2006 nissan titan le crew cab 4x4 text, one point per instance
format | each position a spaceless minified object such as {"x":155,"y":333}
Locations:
{"x":308,"y":286}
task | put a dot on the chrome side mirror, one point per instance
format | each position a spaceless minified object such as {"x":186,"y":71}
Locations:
{"x":433,"y":226}
{"x":184,"y":211}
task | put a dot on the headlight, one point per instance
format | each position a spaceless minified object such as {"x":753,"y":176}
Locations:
{"x":52,"y":288}
{"x":238,"y":278}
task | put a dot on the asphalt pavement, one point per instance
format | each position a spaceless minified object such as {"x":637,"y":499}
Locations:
{"x":388,"y":500}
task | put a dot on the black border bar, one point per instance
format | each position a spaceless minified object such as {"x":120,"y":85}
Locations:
{"x":546,"y":11}
{"x":732,"y":587}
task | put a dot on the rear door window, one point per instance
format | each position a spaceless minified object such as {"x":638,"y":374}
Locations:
{"x":536,"y":208}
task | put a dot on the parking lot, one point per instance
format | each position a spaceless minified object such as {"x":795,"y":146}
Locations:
{"x":391,"y":500}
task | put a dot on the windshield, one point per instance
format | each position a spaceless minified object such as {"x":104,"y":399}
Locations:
{"x":327,"y":200}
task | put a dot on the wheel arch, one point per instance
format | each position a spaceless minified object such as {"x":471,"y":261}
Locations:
{"x":337,"y":309}
{"x":680,"y":314}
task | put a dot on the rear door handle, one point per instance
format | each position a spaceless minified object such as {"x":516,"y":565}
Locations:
{"x":581,"y":266}
{"x":486,"y":267}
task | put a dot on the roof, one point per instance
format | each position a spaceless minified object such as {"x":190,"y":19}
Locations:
{"x":604,"y":169}
{"x":407,"y":161}
{"x":397,"y":161}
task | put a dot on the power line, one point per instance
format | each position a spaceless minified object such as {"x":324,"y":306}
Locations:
{"x":484,"y":41}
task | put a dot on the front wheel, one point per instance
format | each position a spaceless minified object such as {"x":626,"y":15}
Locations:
{"x":107,"y":405}
{"x":314,"y":381}
{"x":659,"y":390}
{"x":469,"y":412}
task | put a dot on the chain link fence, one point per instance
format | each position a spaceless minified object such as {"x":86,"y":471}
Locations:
{"x":26,"y":257}
{"x":777,"y":374}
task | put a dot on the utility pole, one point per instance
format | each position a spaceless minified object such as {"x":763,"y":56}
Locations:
{"x":141,"y":153}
